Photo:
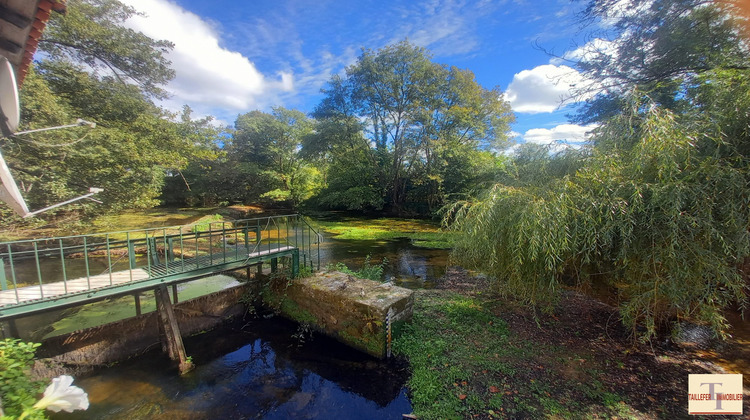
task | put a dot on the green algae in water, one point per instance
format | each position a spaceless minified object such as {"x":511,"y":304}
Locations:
{"x":112,"y":310}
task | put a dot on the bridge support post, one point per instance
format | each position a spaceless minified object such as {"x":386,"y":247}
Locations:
{"x":137,"y":297}
{"x":295,"y":263}
{"x":171,"y":330}
{"x":274,"y":264}
{"x":11,"y":331}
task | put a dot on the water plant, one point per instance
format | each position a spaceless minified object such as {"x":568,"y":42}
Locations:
{"x":367,"y":271}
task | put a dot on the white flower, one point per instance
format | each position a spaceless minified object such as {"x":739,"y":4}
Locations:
{"x":62,"y":395}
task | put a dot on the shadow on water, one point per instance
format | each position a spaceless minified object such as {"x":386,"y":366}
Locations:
{"x":258,"y":370}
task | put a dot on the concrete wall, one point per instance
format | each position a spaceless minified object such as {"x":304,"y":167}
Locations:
{"x":349,"y":309}
{"x":99,"y":346}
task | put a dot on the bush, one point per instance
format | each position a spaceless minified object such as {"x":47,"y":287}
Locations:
{"x":18,"y":391}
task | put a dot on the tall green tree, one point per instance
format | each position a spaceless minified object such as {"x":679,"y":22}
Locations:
{"x":91,"y":33}
{"x":348,"y":164}
{"x":415,"y":112}
{"x":265,"y":149}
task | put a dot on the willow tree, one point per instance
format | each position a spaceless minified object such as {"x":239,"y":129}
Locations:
{"x":657,"y":208}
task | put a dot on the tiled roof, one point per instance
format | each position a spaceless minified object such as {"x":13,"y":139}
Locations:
{"x":21,"y":25}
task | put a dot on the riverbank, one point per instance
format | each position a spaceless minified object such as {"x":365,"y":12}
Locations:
{"x":477,"y":356}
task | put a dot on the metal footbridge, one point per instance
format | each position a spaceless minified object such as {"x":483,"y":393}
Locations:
{"x":50,"y":273}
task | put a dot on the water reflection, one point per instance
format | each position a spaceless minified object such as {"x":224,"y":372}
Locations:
{"x":408,"y":266}
{"x":255,"y":371}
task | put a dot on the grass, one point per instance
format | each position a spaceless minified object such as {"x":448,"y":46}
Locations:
{"x":423,"y":234}
{"x":467,"y":363}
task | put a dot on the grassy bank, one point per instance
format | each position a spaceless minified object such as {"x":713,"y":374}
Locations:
{"x":467,"y":363}
{"x":422,"y":234}
{"x":474,"y":356}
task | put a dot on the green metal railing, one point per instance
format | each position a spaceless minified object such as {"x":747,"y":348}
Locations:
{"x":131,"y":260}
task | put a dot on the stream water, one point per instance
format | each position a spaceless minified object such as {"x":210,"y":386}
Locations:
{"x":249,"y":370}
{"x":256,"y":368}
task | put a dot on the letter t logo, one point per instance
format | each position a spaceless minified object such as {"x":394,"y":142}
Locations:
{"x":711,"y":392}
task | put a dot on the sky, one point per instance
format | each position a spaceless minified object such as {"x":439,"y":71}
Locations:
{"x":232,"y":57}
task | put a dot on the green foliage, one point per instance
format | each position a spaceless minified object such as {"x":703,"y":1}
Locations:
{"x":91,"y":32}
{"x":204,"y":223}
{"x":262,"y":162}
{"x":18,"y":391}
{"x":665,"y":223}
{"x":663,"y":51}
{"x":135,"y":144}
{"x":656,"y":208}
{"x":432,"y":129}
{"x":367,"y":271}
{"x":304,"y":271}
{"x":451,"y":339}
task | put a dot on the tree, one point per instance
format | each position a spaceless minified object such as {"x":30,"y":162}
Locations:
{"x":348,"y":164}
{"x":265,"y":149}
{"x":95,"y":69}
{"x":655,"y":208}
{"x":91,"y":33}
{"x":662,"y":49}
{"x":415,"y":111}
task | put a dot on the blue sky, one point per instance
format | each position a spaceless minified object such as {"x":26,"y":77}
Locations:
{"x":232,"y":57}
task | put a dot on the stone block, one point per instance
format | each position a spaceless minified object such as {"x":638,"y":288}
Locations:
{"x":349,"y":309}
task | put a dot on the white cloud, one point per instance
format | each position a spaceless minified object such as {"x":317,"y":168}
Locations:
{"x":207,"y":75}
{"x":544,"y":88}
{"x":566,"y":133}
{"x":587,"y":51}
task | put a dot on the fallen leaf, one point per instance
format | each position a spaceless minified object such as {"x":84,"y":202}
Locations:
{"x":461,"y":396}
{"x":494,"y":389}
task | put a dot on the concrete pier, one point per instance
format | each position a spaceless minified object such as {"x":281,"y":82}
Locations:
{"x":352,"y":310}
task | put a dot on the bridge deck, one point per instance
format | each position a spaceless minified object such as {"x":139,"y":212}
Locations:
{"x":120,"y":278}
